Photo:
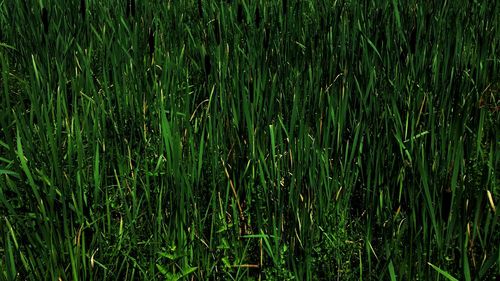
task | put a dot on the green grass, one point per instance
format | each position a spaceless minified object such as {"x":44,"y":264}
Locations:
{"x":249,"y":140}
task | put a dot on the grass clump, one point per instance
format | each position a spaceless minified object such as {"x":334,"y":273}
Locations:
{"x":214,"y":140}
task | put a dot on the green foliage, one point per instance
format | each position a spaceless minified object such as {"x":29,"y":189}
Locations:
{"x":249,"y":140}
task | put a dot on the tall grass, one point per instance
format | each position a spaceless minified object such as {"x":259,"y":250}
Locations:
{"x":249,"y":140}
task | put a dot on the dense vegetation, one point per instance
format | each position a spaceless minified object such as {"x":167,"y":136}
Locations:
{"x":249,"y":140}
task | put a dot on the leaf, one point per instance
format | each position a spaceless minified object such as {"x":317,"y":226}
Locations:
{"x":162,"y":269}
{"x":226,"y":262}
{"x":8,"y":172}
{"x":444,"y":273}
{"x":188,"y":270}
{"x":224,"y":244}
{"x":169,"y":256}
{"x":392,"y":273}
{"x":7,"y":46}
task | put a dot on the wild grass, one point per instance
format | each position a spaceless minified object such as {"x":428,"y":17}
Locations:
{"x":249,"y":140}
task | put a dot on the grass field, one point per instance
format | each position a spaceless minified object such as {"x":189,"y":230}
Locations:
{"x":249,"y":140}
